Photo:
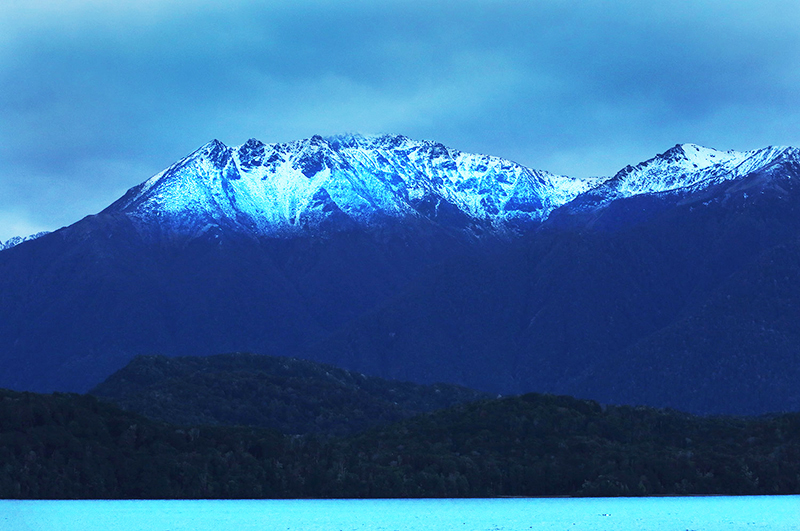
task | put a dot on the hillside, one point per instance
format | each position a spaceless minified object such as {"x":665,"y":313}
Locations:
{"x":288,"y":395}
{"x":669,"y":284}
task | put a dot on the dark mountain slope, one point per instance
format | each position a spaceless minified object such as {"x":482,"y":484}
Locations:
{"x":410,"y":260}
{"x":289,"y":395}
{"x":559,"y":312}
{"x":79,"y":303}
{"x":739,"y":348}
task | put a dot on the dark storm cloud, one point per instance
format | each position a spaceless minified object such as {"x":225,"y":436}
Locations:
{"x":95,"y":96}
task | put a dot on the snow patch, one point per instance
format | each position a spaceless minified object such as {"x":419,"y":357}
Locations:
{"x":16,"y":240}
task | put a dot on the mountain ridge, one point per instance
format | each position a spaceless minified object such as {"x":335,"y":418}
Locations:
{"x":363,"y":178}
{"x":425,"y":289}
{"x":320,"y":184}
{"x":289,"y":189}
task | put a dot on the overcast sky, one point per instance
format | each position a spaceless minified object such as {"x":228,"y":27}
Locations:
{"x":98,"y":95}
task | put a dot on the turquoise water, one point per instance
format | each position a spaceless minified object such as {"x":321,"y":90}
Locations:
{"x":780,"y":513}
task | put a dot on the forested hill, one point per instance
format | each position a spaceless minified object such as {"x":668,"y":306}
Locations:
{"x":75,"y":446}
{"x":289,"y":395}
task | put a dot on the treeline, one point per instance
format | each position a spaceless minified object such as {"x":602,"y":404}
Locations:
{"x":75,"y":446}
{"x":536,"y":445}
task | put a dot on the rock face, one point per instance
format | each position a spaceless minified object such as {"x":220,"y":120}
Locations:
{"x":671,"y":283}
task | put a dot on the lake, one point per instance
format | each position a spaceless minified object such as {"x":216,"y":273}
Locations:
{"x":777,"y":513}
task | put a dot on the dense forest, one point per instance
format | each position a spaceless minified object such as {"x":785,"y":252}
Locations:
{"x":290,"y":395}
{"x":77,"y":446}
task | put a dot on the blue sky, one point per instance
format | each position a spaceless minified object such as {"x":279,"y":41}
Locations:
{"x":96,"y":96}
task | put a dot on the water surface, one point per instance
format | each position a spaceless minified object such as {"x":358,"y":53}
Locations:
{"x":779,"y":513}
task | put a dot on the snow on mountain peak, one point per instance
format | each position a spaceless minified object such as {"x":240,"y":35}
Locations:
{"x":688,"y":166}
{"x":699,"y":157}
{"x":334,"y":182}
{"x":276,"y":189}
{"x":16,"y":240}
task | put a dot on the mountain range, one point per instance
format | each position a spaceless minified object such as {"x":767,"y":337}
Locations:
{"x":674,"y":283}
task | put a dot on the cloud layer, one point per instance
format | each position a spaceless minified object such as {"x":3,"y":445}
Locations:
{"x":97,"y":96}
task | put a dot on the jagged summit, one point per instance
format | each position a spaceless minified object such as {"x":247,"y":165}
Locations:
{"x":339,"y":182}
{"x":688,"y":166}
{"x":283,"y":189}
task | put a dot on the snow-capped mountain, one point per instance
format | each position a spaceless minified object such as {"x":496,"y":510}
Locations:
{"x":285,"y":189}
{"x":329,"y":183}
{"x":669,"y":284}
{"x":16,"y":240}
{"x":689,"y":168}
